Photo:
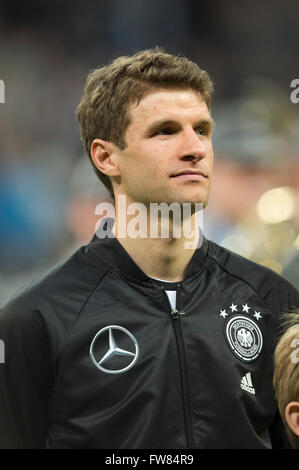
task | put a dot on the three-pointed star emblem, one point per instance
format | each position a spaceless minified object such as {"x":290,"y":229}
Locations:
{"x":113,"y":350}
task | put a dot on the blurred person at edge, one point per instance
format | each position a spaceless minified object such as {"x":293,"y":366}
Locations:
{"x":286,"y":376}
{"x":130,"y":341}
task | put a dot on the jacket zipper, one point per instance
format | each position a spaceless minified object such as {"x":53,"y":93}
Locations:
{"x":176,"y":318}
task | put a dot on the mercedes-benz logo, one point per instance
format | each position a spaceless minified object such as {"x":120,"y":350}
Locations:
{"x":113,"y":350}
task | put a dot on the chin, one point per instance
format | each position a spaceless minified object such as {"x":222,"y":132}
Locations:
{"x":193,"y":199}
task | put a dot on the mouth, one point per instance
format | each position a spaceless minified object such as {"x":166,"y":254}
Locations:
{"x":190,"y":175}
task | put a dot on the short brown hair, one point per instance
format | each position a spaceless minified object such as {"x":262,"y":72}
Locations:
{"x":103,"y":111}
{"x":286,"y":369}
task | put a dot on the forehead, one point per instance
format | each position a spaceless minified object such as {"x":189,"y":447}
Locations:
{"x":176,"y":104}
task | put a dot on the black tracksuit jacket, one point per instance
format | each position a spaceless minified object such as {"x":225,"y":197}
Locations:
{"x":96,"y":358}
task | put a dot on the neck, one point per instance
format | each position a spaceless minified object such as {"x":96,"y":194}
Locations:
{"x":158,"y":253}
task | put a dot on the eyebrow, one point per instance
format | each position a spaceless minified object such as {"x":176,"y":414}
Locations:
{"x":208,"y":122}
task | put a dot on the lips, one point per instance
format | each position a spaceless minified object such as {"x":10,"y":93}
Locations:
{"x":190,"y":175}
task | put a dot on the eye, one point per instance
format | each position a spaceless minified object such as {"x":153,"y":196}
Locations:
{"x":201,"y":130}
{"x":165,"y":131}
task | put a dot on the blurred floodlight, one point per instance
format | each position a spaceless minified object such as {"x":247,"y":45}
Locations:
{"x":276,"y":205}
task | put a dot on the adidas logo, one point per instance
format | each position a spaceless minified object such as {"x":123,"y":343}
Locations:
{"x":246,"y":383}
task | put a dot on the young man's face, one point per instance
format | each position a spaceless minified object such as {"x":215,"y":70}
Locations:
{"x":169,"y":133}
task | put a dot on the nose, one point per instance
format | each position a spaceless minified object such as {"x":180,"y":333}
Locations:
{"x":193,"y":146}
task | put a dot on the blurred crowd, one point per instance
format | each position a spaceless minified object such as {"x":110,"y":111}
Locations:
{"x":48,"y":191}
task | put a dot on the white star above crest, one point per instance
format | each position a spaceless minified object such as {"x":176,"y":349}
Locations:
{"x":246,"y":308}
{"x":233,"y":308}
{"x":257,"y":315}
{"x":223,"y":313}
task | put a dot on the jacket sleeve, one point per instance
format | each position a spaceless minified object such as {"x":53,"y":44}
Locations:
{"x":26,"y":378}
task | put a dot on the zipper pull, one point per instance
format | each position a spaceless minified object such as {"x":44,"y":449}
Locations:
{"x":176,"y":314}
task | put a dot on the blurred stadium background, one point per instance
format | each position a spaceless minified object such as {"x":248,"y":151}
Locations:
{"x":48,"y":191}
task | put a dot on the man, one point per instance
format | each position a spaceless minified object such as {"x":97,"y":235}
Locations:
{"x":286,"y":377}
{"x":146,"y":342}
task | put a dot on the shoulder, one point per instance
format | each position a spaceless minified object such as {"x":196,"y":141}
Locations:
{"x":54,"y":300}
{"x":275,"y":291}
{"x":237,"y":264}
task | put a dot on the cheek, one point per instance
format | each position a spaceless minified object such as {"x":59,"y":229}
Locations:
{"x":211,"y":157}
{"x":144,"y":162}
{"x":150,"y":160}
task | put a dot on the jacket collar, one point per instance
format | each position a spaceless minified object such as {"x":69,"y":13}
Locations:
{"x":114,"y":253}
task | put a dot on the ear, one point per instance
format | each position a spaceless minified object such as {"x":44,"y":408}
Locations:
{"x":103,"y":156}
{"x":292,"y":416}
